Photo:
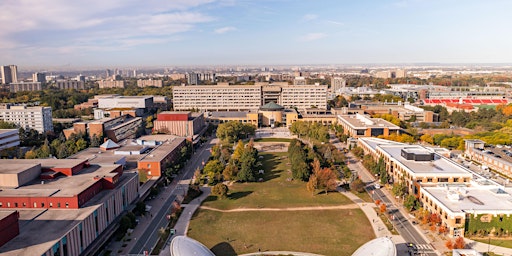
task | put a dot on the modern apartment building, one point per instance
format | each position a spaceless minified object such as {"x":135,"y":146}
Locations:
{"x":61,"y":206}
{"x":149,"y":82}
{"x":25,"y":86}
{"x":70,"y":84}
{"x":37,"y":118}
{"x":9,"y":74}
{"x":248,"y":97}
{"x":9,"y":138}
{"x":111,"y":84}
{"x":39,"y":77}
{"x":337,"y":84}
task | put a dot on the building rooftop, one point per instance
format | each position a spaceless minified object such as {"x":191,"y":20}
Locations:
{"x":271,"y":106}
{"x":161,"y":151}
{"x":45,"y":163}
{"x":475,"y":199}
{"x":440,"y":166}
{"x":228,"y":114}
{"x":359,"y":121}
{"x":7,"y":131}
{"x":157,"y":137}
{"x":66,"y":186}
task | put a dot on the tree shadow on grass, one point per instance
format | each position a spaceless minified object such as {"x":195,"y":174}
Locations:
{"x":210,"y":199}
{"x":238,"y":195}
{"x":224,"y":249}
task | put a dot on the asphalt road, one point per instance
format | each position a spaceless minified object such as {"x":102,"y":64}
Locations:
{"x":176,"y":189}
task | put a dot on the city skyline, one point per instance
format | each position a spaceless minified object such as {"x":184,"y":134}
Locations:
{"x":97,"y":33}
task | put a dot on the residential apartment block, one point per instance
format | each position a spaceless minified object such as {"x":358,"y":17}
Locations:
{"x":9,"y":74}
{"x":111,"y":84}
{"x":25,"y":86}
{"x":150,"y":82}
{"x":37,"y":118}
{"x":9,"y":138}
{"x":70,"y":84}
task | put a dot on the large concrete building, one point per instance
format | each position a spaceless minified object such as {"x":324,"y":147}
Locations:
{"x":149,"y":82}
{"x":111,"y":84}
{"x":39,"y":77}
{"x":70,"y":84}
{"x":9,"y":138}
{"x":61,"y":206}
{"x":364,"y":126}
{"x":465,"y":201}
{"x":404,"y":112}
{"x":186,"y":124}
{"x":116,"y":129}
{"x":9,"y":74}
{"x":248,"y":97}
{"x":216,"y":98}
{"x":25,"y":86}
{"x":37,"y":118}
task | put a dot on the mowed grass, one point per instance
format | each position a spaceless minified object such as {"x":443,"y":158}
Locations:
{"x":277,"y":190}
{"x":272,"y":140}
{"x":495,"y":241}
{"x":326,"y":232}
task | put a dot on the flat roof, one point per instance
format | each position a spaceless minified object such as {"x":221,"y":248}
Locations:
{"x":229,"y":114}
{"x":473,"y":199}
{"x":161,"y":151}
{"x":439,"y":166}
{"x":45,"y":163}
{"x":358,"y":121}
{"x":64,"y":186}
{"x":14,"y":168}
{"x":3,"y":131}
{"x":98,"y":156}
{"x":158,"y":137}
{"x":5,"y":213}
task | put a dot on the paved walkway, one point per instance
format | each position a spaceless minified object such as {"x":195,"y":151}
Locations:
{"x":280,"y":253}
{"x":311,"y":208}
{"x":181,"y":226}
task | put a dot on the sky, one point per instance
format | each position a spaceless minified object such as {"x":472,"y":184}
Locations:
{"x":137,"y":33}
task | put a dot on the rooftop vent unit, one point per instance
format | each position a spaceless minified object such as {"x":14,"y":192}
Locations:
{"x":417,"y":154}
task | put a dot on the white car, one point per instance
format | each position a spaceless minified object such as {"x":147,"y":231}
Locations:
{"x":377,"y":185}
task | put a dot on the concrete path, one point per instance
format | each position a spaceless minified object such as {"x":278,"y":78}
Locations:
{"x":483,"y":247}
{"x":311,"y":208}
{"x":181,"y":226}
{"x":280,"y":253}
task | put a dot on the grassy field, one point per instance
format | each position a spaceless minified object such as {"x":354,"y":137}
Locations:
{"x":495,"y":241}
{"x":327,"y":232}
{"x":276,"y":191}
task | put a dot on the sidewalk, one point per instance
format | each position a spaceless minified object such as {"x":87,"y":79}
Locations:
{"x":181,"y":226}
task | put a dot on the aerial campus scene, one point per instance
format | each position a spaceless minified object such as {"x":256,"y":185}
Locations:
{"x":255,"y":127}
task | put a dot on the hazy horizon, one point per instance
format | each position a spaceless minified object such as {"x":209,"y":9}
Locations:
{"x":154,"y":33}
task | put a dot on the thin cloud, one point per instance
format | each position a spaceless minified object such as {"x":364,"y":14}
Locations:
{"x":309,"y":17}
{"x":224,"y":30}
{"x":312,"y":37}
{"x":335,"y":22}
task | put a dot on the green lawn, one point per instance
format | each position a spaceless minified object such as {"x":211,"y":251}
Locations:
{"x":495,"y":241}
{"x":276,"y":191}
{"x":327,"y":232}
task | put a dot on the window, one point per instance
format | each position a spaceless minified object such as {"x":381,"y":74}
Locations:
{"x":58,"y":205}
{"x":67,"y":205}
{"x":458,"y":220}
{"x":51,"y":204}
{"x":42,"y":205}
{"x":1,"y":204}
{"x":15,"y":205}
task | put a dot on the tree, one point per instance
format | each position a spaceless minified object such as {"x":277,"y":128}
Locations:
{"x":7,"y":125}
{"x":233,"y":131}
{"x":357,"y":185}
{"x":230,"y":172}
{"x":449,"y":244}
{"x":214,"y":170}
{"x":237,"y":153}
{"x":248,"y":158}
{"x":399,"y":189}
{"x":382,"y":208}
{"x":358,"y":152}
{"x":410,"y":202}
{"x":459,"y":243}
{"x":326,"y":180}
{"x":220,"y":190}
{"x":312,"y":184}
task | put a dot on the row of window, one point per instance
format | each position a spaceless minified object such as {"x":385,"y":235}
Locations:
{"x":42,"y":205}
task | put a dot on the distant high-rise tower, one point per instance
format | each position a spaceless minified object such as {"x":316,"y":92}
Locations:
{"x":80,"y":78}
{"x":337,"y":83}
{"x":39,"y":77}
{"x":9,"y":74}
{"x":192,"y":78}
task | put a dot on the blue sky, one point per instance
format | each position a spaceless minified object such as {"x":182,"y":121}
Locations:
{"x":253,"y":32}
